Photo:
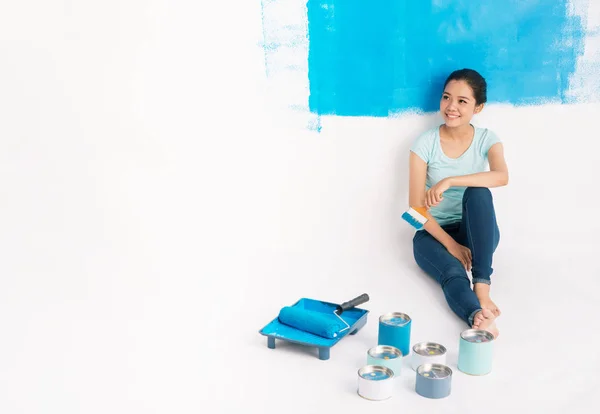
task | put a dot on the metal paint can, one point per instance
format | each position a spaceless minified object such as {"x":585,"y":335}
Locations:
{"x":475,"y":352}
{"x":394,"y":330}
{"x":375,"y":382}
{"x":433,"y":380}
{"x":428,"y":353}
{"x":386,"y":356}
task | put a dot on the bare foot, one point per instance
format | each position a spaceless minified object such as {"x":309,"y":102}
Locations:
{"x":486,"y":320}
{"x":487,"y":303}
{"x":482,"y":291}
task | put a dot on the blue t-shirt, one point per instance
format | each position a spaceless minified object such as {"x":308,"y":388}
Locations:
{"x":439,"y":166}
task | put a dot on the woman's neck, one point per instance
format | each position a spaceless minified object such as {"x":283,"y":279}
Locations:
{"x":461,"y":133}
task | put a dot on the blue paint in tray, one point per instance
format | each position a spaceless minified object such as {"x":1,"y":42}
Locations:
{"x":355,"y":317}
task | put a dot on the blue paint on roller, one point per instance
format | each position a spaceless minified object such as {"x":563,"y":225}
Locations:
{"x":276,"y":330}
{"x":376,"y":58}
{"x":318,"y":323}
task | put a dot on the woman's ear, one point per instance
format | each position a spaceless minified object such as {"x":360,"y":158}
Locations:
{"x":479,"y":108}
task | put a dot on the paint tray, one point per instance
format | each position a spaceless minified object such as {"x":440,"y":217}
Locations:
{"x":275,"y":330}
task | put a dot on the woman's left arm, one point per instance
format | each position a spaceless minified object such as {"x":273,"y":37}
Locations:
{"x":497,"y":176}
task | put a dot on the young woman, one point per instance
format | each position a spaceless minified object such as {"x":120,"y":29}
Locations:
{"x":450,"y":178}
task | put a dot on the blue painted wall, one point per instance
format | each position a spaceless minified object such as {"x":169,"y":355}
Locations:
{"x":379,"y":57}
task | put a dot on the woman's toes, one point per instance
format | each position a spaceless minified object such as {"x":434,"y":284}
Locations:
{"x":477,"y":320}
{"x":487,"y":314}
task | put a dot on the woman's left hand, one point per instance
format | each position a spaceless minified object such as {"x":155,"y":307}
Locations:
{"x":434,"y":195}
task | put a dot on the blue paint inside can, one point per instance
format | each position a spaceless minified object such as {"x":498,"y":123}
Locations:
{"x":385,"y":355}
{"x":375,"y":376}
{"x":395,"y":321}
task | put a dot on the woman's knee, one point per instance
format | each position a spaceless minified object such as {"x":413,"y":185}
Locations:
{"x":454,"y":273}
{"x":477,"y":193}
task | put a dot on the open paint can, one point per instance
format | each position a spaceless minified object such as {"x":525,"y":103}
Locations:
{"x":394,"y":330}
{"x":475,"y":352}
{"x":428,"y":353}
{"x":433,"y":380}
{"x":386,"y":356}
{"x":375,"y":382}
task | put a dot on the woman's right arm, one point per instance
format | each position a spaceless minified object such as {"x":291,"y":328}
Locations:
{"x":416,"y":198}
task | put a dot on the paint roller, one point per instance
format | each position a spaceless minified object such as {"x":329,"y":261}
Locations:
{"x":320,"y":323}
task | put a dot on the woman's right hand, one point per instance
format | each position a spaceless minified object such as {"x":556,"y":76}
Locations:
{"x":462,"y":253}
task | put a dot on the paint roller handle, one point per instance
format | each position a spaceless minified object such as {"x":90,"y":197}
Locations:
{"x":352,"y":303}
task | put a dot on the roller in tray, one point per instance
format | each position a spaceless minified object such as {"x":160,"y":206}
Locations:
{"x":351,"y":317}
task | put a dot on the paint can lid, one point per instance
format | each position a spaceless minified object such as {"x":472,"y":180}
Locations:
{"x":429,"y":349}
{"x":395,"y":319}
{"x":375,"y":373}
{"x":385,"y":352}
{"x":477,"y":336}
{"x":434,"y":371}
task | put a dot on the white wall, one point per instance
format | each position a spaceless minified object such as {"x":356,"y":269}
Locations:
{"x":158,"y":207}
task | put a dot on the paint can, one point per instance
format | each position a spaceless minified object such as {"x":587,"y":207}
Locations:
{"x":375,"y":382}
{"x":475,"y":351}
{"x":386,"y":356}
{"x":433,"y":380}
{"x":428,"y":353}
{"x":394,"y":330}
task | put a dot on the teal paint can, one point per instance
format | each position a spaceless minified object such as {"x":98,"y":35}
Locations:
{"x":386,"y":356}
{"x":475,"y":352}
{"x":394,"y":330}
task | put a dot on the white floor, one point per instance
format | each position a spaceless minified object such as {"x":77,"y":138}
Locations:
{"x":155,"y":334}
{"x":545,"y":358}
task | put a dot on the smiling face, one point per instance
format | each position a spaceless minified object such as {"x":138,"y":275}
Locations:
{"x":458,"y":104}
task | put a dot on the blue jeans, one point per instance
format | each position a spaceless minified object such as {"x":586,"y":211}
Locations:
{"x":479,"y":232}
